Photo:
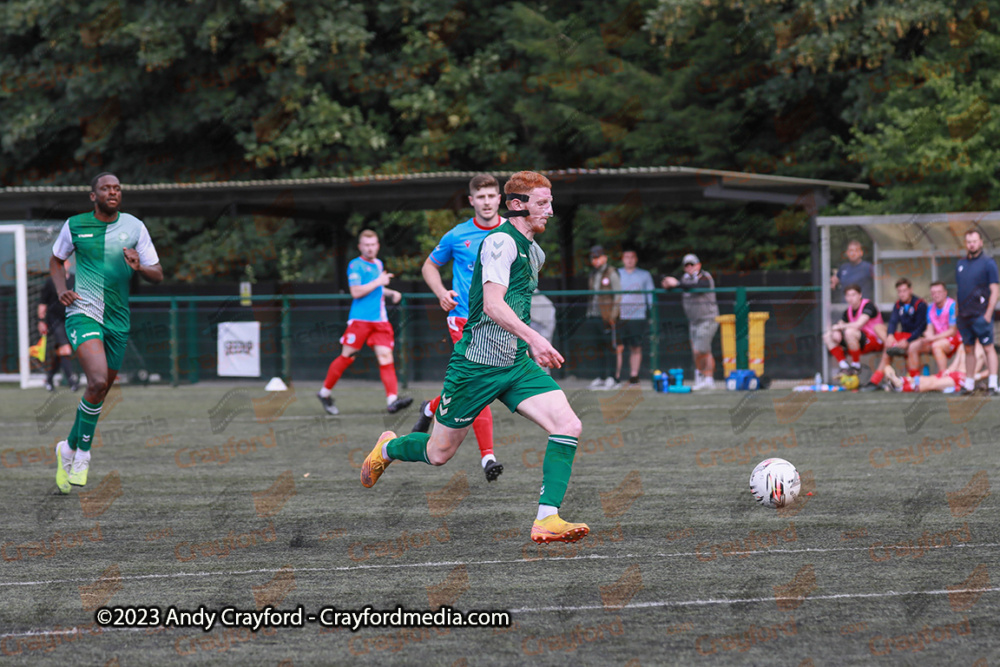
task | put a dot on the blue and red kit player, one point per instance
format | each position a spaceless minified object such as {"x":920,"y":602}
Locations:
{"x":461,"y":247}
{"x":367,"y":323}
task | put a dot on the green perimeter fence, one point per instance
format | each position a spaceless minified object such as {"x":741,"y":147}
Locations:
{"x":175,"y":337}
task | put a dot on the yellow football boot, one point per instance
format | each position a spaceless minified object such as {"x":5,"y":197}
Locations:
{"x":374,"y":464}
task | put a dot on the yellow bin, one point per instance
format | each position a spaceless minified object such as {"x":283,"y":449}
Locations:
{"x":756,"y":347}
{"x":728,"y":325}
{"x":755,"y":350}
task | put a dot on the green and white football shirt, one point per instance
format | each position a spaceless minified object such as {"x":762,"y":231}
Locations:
{"x":506,"y":257}
{"x":102,"y":274}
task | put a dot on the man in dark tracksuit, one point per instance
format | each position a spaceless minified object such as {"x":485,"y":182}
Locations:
{"x":977,"y":279}
{"x":909,"y":316}
{"x":52,"y":323}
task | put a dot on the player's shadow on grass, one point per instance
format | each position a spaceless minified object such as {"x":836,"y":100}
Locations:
{"x":400,"y":504}
{"x":53,"y":506}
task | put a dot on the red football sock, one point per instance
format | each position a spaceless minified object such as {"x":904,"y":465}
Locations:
{"x":337,"y":368}
{"x":855,"y":356}
{"x":433,"y":407}
{"x":837,"y":352}
{"x":388,"y":374}
{"x":483,"y":426}
{"x":877,"y":377}
{"x":914,"y":372}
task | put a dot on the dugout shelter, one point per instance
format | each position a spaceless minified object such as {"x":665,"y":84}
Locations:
{"x":922,"y":247}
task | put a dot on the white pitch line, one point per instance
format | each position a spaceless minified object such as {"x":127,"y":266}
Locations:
{"x":454,"y":563}
{"x":695,"y":603}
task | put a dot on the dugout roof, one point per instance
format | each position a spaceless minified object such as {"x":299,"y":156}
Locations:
{"x":322,"y":198}
{"x":333,"y":198}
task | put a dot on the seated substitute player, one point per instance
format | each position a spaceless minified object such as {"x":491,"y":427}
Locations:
{"x":491,"y":361}
{"x":367,"y":322}
{"x":941,"y":338}
{"x":110,"y":246}
{"x":860,"y":330}
{"x":952,"y":379}
{"x":461,"y":246}
{"x":910,"y":315}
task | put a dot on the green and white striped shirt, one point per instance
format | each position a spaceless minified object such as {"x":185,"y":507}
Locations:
{"x":508,"y":258}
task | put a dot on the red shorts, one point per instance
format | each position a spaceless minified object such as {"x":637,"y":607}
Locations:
{"x":871,"y":344}
{"x":900,"y":336}
{"x":456,"y":325}
{"x":360,"y":332}
{"x":956,"y":342}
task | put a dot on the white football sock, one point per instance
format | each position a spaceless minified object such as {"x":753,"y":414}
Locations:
{"x":969,"y":383}
{"x":993,"y":381}
{"x":390,"y":399}
{"x":844,"y":365}
{"x":385,"y":453}
{"x":546,"y":511}
{"x":324,"y":392}
{"x":427,"y":411}
{"x":487,"y":459}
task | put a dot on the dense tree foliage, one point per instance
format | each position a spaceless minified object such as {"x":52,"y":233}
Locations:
{"x":896,"y":94}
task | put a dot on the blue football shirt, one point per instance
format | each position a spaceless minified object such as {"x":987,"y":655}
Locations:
{"x":461,"y":246}
{"x":370,"y":307}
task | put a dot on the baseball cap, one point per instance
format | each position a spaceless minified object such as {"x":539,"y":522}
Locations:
{"x":597,"y":251}
{"x":690,"y":258}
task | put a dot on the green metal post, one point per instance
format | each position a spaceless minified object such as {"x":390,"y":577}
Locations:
{"x":175,"y":368}
{"x":192,"y":343}
{"x":654,"y":351}
{"x":404,"y":335}
{"x":742,"y":311}
{"x":286,"y":340}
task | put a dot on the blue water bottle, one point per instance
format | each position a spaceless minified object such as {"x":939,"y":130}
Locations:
{"x":657,"y":380}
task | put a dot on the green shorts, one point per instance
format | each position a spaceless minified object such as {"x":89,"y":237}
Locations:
{"x":469,"y":387}
{"x":80,"y":329}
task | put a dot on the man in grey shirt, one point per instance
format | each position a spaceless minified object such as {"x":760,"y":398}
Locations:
{"x":701,"y":310}
{"x":634,"y":316}
{"x":855,"y":271}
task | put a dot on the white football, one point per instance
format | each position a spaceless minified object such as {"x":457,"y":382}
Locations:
{"x":775,"y":483}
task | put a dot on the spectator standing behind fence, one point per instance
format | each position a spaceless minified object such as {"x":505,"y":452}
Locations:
{"x":634,"y":315}
{"x":602,"y":315}
{"x":855,"y":271}
{"x":909,"y":315}
{"x":701,"y":310}
{"x":543,"y":318}
{"x":978,"y":286}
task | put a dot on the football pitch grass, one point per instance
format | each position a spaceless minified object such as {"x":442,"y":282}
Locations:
{"x":220,"y":495}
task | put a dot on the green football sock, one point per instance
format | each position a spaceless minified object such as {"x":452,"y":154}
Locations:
{"x":412,"y":447}
{"x":556,"y":468}
{"x":87,"y":414}
{"x":74,"y":433}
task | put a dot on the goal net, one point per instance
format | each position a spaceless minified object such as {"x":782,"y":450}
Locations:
{"x":25,"y":249}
